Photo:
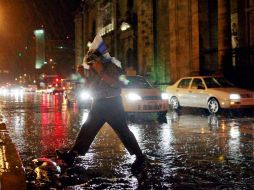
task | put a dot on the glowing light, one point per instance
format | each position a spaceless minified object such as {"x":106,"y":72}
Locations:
{"x":234,"y":142}
{"x":40,"y":48}
{"x":39,"y":32}
{"x":221,"y":158}
{"x":124,"y":26}
{"x":3,"y":91}
{"x":234,"y":96}
{"x":124,"y":79}
{"x":89,"y":44}
{"x":223,"y":126}
{"x":164,"y":96}
{"x":168,"y":138}
{"x":133,"y":96}
{"x":234,"y":132}
{"x":85,"y":95}
{"x":84,"y":116}
{"x":202,"y":130}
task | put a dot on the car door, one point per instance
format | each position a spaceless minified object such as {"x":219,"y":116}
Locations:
{"x":197,"y":93}
{"x":182,"y":91}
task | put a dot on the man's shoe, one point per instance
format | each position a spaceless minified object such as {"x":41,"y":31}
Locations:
{"x":68,"y":156}
{"x":138,"y":163}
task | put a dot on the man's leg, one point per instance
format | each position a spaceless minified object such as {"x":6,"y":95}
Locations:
{"x":116,"y":119}
{"x":126,"y":136}
{"x":87,"y":133}
{"x":84,"y":139}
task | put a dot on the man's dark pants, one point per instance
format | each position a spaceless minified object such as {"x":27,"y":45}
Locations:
{"x":108,"y":110}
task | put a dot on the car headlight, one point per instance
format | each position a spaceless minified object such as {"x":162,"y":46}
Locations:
{"x":85,"y":96}
{"x":17,"y":91}
{"x":133,"y":97}
{"x":164,"y":96}
{"x":234,"y":96}
{"x":4,"y":91}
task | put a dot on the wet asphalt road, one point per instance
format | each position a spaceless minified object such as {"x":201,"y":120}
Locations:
{"x":193,"y":150}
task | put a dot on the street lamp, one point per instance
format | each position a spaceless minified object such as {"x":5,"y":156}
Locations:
{"x":89,"y":44}
{"x":124,"y":26}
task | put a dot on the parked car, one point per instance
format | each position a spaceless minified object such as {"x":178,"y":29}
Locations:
{"x":138,"y":95}
{"x":212,"y":93}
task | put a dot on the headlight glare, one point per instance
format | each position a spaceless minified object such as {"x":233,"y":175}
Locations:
{"x":133,"y":96}
{"x":164,"y":96}
{"x":85,"y":95}
{"x":234,"y":96}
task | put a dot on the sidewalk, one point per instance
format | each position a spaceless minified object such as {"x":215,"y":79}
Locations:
{"x":12,"y":174}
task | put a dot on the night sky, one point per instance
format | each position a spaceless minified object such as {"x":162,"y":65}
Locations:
{"x":18,"y":19}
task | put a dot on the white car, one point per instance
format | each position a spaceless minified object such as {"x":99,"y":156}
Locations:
{"x":208,"y":92}
{"x":139,"y":95}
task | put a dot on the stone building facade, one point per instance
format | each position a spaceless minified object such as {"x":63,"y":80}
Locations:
{"x":168,"y":39}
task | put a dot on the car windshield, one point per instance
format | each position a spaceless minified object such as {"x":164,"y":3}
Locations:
{"x":217,"y":82}
{"x":137,"y":82}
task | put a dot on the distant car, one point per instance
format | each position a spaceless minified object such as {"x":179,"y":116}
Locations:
{"x":12,"y":89}
{"x":31,"y":88}
{"x":138,"y":96}
{"x":57,"y":90}
{"x":212,"y":93}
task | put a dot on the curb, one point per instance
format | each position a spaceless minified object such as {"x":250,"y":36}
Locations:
{"x":12,"y":173}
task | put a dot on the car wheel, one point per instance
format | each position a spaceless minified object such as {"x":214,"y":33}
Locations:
{"x":174,"y":103}
{"x":213,"y":105}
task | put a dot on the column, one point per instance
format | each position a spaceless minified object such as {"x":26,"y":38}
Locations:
{"x":224,"y":37}
{"x":145,"y":38}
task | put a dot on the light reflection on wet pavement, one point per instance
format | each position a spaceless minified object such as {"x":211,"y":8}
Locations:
{"x":193,"y":150}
